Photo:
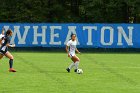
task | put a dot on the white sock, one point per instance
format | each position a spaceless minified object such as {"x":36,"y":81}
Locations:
{"x":71,"y":65}
{"x":76,"y":64}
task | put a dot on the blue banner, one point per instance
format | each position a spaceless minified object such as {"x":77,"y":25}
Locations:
{"x":88,"y":35}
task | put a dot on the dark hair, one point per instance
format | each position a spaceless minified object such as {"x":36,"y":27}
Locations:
{"x":8,"y":32}
{"x":72,"y":35}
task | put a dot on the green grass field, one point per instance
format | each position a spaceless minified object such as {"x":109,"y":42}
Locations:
{"x":45,"y":73}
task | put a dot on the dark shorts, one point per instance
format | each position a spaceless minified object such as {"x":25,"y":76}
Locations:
{"x":3,"y":52}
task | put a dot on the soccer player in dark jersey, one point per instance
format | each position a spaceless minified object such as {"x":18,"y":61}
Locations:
{"x":4,"y":49}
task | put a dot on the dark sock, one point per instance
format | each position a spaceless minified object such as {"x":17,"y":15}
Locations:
{"x":11,"y":63}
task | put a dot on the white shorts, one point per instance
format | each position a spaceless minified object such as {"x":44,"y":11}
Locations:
{"x":72,"y":54}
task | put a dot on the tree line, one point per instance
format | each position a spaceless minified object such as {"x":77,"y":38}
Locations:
{"x":67,"y":11}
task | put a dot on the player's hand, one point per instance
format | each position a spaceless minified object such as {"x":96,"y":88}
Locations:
{"x":79,"y":53}
{"x":68,"y":55}
{"x":13,"y":45}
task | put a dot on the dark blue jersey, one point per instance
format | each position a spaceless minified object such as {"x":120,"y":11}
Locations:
{"x":6,"y":41}
{"x":4,"y":48}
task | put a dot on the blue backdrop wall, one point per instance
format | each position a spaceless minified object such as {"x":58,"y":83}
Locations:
{"x":88,"y":35}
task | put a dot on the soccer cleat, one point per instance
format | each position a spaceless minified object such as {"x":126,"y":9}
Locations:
{"x":12,"y":70}
{"x":75,"y":70}
{"x":68,"y":69}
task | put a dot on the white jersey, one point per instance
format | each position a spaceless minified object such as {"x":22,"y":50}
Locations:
{"x":1,"y":36}
{"x":72,"y":46}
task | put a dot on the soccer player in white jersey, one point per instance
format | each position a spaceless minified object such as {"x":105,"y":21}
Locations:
{"x":1,"y":36}
{"x":70,"y":49}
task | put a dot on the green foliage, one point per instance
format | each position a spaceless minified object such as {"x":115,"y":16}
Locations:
{"x":61,"y":11}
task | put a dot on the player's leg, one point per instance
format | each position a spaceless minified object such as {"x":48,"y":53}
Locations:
{"x":76,"y":62}
{"x":71,"y":65}
{"x":73,"y":62}
{"x":11,"y":58}
{"x":1,"y":56}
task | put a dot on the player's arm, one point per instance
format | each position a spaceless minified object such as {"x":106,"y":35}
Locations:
{"x":3,"y":30}
{"x":67,"y":50}
{"x":10,"y":45}
{"x":77,"y":51}
{"x":0,"y":41}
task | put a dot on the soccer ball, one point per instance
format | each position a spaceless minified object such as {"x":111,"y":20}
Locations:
{"x":79,"y":71}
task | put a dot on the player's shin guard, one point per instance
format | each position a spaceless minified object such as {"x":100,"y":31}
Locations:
{"x":71,"y":65}
{"x":76,"y":65}
{"x":11,"y":63}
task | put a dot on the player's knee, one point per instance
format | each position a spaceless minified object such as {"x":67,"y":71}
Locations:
{"x":1,"y":55}
{"x":78,"y":59}
{"x":12,"y":57}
